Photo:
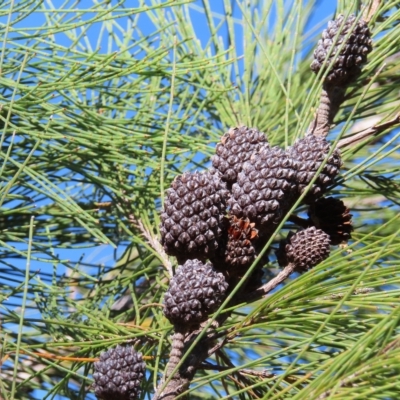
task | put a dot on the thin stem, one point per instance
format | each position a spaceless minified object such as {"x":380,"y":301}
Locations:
{"x":372,"y":131}
{"x":269,"y":286}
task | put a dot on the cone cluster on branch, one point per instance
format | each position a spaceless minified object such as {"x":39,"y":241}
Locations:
{"x":220,"y":219}
{"x":215,"y":222}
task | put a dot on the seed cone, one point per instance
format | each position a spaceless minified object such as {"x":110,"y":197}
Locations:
{"x":118,"y":374}
{"x":195,"y":291}
{"x":236,"y":147}
{"x":305,"y":249}
{"x":264,"y":190}
{"x":193,"y":219}
{"x":333,"y":217}
{"x":310,"y":153}
{"x":342,"y":60}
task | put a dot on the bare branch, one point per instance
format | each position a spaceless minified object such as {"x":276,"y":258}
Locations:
{"x":370,"y":11}
{"x":374,"y":130}
{"x":330,"y":101}
{"x":272,"y":284}
{"x":168,"y":389}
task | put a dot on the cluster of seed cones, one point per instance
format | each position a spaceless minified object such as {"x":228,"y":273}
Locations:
{"x":215,"y":222}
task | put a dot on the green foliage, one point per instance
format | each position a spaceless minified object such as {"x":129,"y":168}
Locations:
{"x":92,"y":134}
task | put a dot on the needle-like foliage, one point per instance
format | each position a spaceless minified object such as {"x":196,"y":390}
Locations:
{"x":102,"y":105}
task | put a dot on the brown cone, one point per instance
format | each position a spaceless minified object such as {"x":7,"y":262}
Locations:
{"x":305,"y":249}
{"x":333,"y":217}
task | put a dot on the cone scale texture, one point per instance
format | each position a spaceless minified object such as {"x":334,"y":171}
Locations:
{"x":304,"y":249}
{"x":310,"y":153}
{"x":342,"y":50}
{"x":195,"y":291}
{"x":193,"y":219}
{"x":240,"y":251}
{"x":235,"y":148}
{"x":264,"y":190}
{"x":118,"y":374}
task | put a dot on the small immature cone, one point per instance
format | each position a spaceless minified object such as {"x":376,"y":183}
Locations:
{"x":304,"y":249}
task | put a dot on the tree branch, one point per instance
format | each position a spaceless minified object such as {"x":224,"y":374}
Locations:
{"x":372,"y":131}
{"x":330,"y":101}
{"x":168,"y":389}
{"x":371,"y":10}
{"x":269,"y":286}
{"x":175,"y":383}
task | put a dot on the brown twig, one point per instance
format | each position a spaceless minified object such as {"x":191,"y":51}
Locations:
{"x":218,"y":346}
{"x":168,"y":389}
{"x":372,"y":131}
{"x":330,"y":100}
{"x":395,"y":344}
{"x":272,"y":284}
{"x":179,"y":374}
{"x":242,"y":380}
{"x":370,"y":11}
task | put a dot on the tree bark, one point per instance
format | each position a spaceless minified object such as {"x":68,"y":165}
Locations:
{"x":330,"y":101}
